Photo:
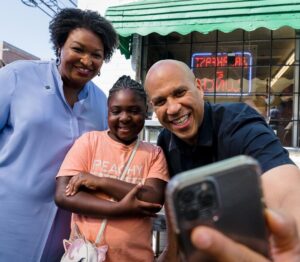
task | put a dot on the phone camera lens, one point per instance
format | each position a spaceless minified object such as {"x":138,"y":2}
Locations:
{"x":187,"y":196}
{"x":206,"y":196}
{"x":206,"y":199}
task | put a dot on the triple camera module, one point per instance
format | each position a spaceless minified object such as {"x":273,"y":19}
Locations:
{"x":198,"y":200}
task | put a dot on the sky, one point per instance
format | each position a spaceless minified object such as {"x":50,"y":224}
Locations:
{"x":26,"y":27}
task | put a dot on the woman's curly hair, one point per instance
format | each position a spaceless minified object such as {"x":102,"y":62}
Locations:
{"x":69,"y":19}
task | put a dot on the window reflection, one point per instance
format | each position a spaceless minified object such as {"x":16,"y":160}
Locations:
{"x":268,"y":86}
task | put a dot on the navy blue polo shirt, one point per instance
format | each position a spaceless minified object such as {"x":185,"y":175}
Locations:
{"x":227,"y":130}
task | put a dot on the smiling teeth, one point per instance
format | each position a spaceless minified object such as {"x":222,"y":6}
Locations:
{"x":124,"y":128}
{"x":84,"y":70}
{"x":181,"y":120}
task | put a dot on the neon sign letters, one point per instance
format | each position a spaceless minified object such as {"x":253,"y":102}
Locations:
{"x":220,"y":82}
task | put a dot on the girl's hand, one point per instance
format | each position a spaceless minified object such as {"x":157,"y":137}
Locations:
{"x":82,"y":179}
{"x":131,"y":206}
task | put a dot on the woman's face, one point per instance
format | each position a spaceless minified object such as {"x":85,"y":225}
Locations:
{"x":126,"y":115}
{"x":81,"y":57}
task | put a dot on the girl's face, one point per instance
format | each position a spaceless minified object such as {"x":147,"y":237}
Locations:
{"x":126,"y":116}
{"x":81,"y":57}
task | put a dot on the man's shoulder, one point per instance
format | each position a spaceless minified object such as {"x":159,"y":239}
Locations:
{"x":232,"y":113}
{"x":232,"y":108}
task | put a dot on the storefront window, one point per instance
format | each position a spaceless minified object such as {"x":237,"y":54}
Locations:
{"x":284,"y":32}
{"x":255,"y":67}
{"x":258,"y":34}
{"x":260,"y":50}
{"x":233,"y":36}
{"x":283,"y":52}
{"x":204,"y":38}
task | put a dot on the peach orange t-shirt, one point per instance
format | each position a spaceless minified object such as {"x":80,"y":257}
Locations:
{"x":95,"y":152}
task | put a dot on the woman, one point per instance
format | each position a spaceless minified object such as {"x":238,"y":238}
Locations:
{"x":44,"y":107}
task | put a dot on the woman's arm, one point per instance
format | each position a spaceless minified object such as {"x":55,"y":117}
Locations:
{"x":85,"y":203}
{"x":7,"y":89}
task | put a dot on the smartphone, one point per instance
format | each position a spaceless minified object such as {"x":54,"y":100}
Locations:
{"x":225,"y":195}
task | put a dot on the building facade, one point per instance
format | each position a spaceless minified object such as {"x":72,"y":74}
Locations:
{"x":255,"y":67}
{"x":10,"y":53}
{"x":242,"y":51}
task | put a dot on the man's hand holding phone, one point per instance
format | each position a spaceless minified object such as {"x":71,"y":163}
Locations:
{"x":225,"y":196}
{"x":284,"y":242}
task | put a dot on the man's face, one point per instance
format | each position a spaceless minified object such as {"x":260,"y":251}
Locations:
{"x":177,"y":100}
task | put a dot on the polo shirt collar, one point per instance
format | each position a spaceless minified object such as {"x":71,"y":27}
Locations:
{"x":205,"y":133}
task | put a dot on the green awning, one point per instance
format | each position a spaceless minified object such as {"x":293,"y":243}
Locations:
{"x":185,"y":16}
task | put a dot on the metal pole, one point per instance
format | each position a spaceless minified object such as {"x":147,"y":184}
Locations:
{"x":295,"y":119}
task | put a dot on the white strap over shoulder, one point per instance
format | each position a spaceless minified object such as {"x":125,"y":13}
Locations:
{"x":129,"y":160}
{"x":101,"y":231}
{"x":104,"y":222}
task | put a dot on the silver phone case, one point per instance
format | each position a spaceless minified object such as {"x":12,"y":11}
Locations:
{"x":238,"y":211}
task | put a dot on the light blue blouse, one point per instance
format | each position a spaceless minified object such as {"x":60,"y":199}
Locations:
{"x":37,"y":128}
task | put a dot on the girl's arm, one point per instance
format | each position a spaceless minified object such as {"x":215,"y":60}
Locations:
{"x":115,"y":188}
{"x":85,"y":203}
{"x":152,"y":191}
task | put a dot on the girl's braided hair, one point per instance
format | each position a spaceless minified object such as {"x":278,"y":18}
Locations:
{"x":125,"y":82}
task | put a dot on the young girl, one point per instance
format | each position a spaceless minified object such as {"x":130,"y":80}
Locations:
{"x":89,"y":179}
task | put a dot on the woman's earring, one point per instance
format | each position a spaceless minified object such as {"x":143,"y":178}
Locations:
{"x":99,"y":73}
{"x":57,"y":61}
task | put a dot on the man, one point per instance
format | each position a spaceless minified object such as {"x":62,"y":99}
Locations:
{"x":198,"y":133}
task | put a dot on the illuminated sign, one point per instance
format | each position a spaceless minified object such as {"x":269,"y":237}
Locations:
{"x":226,"y":78}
